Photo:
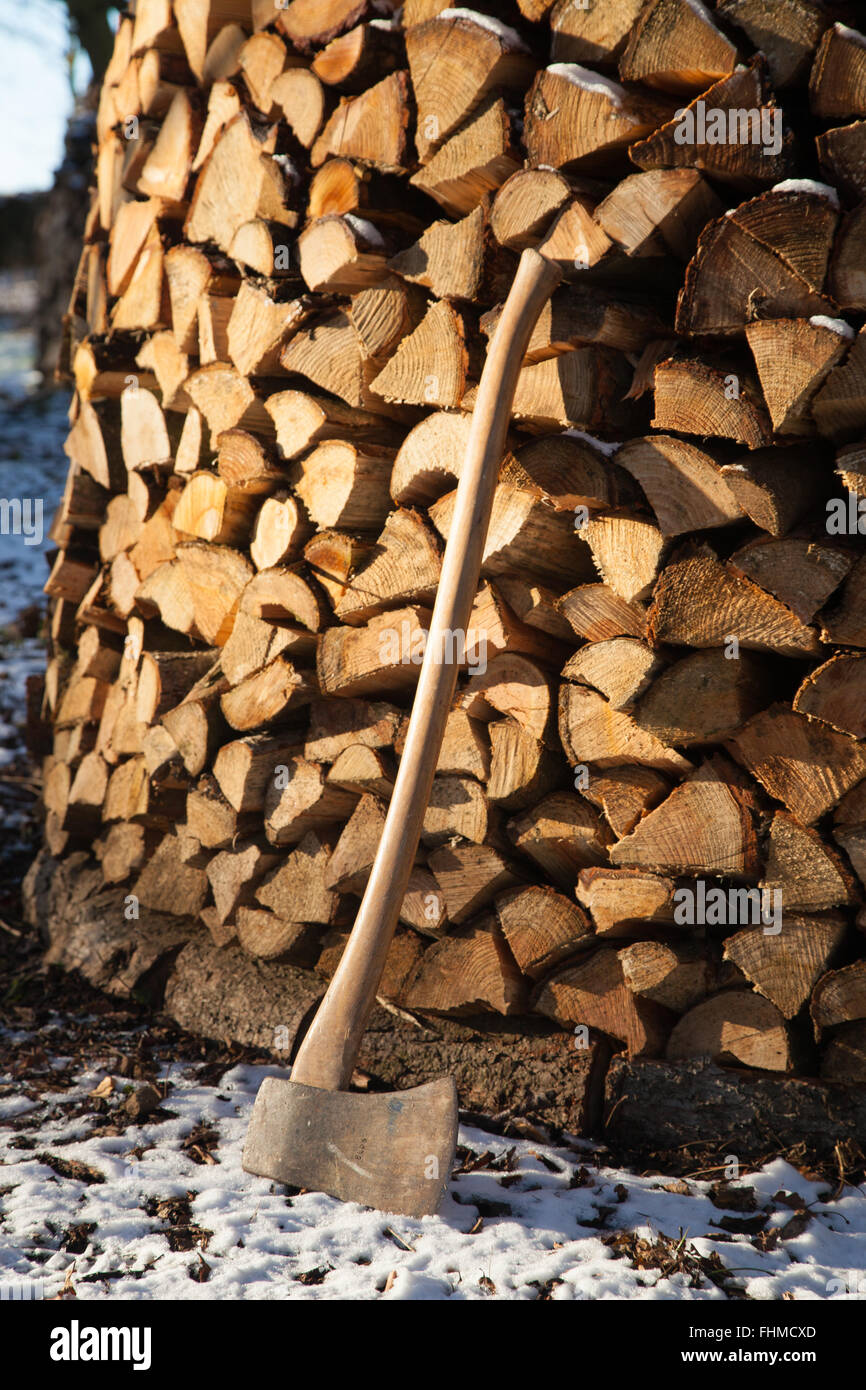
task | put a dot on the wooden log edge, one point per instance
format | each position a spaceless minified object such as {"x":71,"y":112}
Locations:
{"x":519,"y":1067}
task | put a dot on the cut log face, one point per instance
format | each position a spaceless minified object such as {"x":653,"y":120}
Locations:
{"x":625,"y":794}
{"x":657,"y":210}
{"x":701,"y":602}
{"x":809,"y":875}
{"x":542,"y":928}
{"x":802,"y":763}
{"x":684,"y":484}
{"x":454,"y":62}
{"x":404,"y":568}
{"x":469,"y":877}
{"x":704,"y":826}
{"x":785,"y":968}
{"x":665,"y":42}
{"x":295,"y":890}
{"x":793,"y":358}
{"x":468,"y":972}
{"x":705,"y":697}
{"x":300,"y":799}
{"x":429,"y":461}
{"x":370,"y":129}
{"x":621,"y":901}
{"x":692,"y":140}
{"x":448,"y":259}
{"x":836,"y":693}
{"x":837,"y":82}
{"x":473,"y":163}
{"x":592,"y":731}
{"x":525,"y":205}
{"x":627,"y":551}
{"x":525,"y":533}
{"x":676,"y":977}
{"x":693,"y":397}
{"x":577,"y":120}
{"x":839,"y":997}
{"x":801,"y":574}
{"x":620,"y":669}
{"x":562,"y":834}
{"x":736,"y":1026}
{"x":594,"y":994}
{"x":597,"y":613}
{"x":786,"y":34}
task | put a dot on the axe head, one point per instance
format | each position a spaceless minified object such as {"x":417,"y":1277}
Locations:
{"x":392,"y":1151}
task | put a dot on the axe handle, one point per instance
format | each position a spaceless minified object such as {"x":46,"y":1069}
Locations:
{"x":327,"y":1055}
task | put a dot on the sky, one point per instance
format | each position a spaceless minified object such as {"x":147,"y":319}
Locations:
{"x":35,"y":92}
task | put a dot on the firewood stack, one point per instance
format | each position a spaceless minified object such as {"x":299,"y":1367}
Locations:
{"x":304,"y":223}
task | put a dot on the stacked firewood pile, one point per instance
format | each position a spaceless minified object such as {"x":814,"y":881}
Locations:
{"x":649,"y":820}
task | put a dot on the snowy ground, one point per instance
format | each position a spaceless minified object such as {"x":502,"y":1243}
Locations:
{"x":32,"y":472}
{"x":97,"y":1203}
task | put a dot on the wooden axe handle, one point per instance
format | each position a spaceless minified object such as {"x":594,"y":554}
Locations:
{"x":327,"y":1055}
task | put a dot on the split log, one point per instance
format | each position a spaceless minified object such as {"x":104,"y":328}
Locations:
{"x":525,"y":205}
{"x":301,"y":800}
{"x":576,"y":119}
{"x":810,"y":876}
{"x":595,"y":612}
{"x":473,"y":163}
{"x":693,"y":397}
{"x":354,"y":59}
{"x":835,"y":693}
{"x":736,"y":1025}
{"x":625,"y":794}
{"x":541,"y":928}
{"x":705,"y":697}
{"x":692,"y":141}
{"x":705,"y":826}
{"x":469,"y":877}
{"x":839,"y":997}
{"x":378,"y":659}
{"x":837,"y":82}
{"x":469,"y":971}
{"x":336,"y":725}
{"x":526,"y":532}
{"x":363,"y":771}
{"x":684,"y":484}
{"x":370,"y":128}
{"x":800,"y":574}
{"x":169,"y":884}
{"x":592,"y":731}
{"x":675,"y":977}
{"x":803,"y":763}
{"x":623,"y":901}
{"x":246,"y":768}
{"x":787,"y":34}
{"x":594,"y":994}
{"x":562,"y":834}
{"x":658,"y":211}
{"x":295,"y":891}
{"x":701,"y":602}
{"x":522,"y":768}
{"x":621,"y":669}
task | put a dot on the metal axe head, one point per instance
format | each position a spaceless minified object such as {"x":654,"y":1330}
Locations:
{"x":393,"y":1151}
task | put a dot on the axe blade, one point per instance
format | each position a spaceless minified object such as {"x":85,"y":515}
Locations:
{"x":393,"y":1150}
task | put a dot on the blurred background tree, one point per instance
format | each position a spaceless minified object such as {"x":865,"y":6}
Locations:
{"x":89,"y":26}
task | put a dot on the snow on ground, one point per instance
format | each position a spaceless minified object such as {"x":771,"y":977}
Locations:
{"x":162,"y":1209}
{"x":32,"y":474}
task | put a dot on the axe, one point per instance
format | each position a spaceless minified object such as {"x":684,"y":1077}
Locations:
{"x":395,"y":1151}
